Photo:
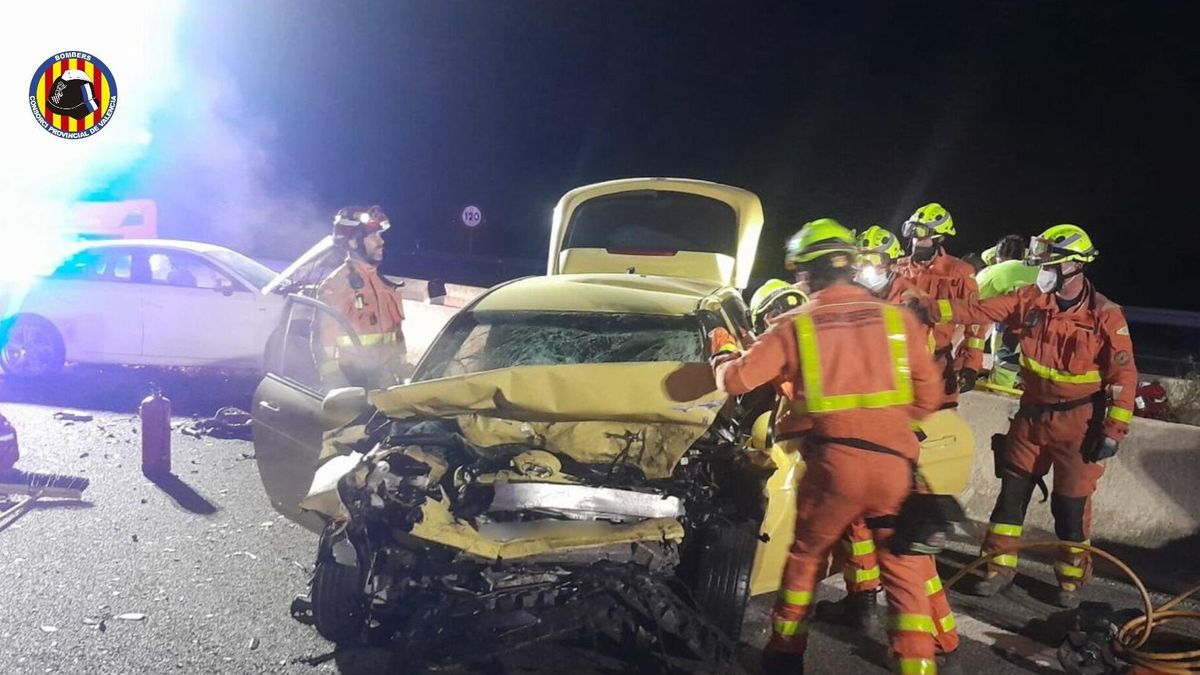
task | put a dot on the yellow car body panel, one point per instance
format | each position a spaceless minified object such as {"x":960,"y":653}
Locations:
{"x":646,"y":414}
{"x":946,"y":455}
{"x":728,"y":268}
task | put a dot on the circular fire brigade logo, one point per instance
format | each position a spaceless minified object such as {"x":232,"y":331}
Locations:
{"x":73,"y":95}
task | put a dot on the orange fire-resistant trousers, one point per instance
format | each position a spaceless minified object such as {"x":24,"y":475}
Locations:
{"x":1036,"y":442}
{"x":842,"y":485}
{"x":859,"y":561}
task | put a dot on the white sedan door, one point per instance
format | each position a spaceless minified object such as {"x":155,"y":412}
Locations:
{"x":195,"y":314}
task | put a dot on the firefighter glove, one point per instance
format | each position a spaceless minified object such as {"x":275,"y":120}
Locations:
{"x":966,"y":380}
{"x":1098,"y":449}
{"x":721,"y":344}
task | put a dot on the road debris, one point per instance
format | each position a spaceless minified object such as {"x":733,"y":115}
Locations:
{"x":49,"y":629}
{"x":229,"y":423}
{"x":130,"y":616}
{"x":253,"y":644}
{"x":67,"y":416}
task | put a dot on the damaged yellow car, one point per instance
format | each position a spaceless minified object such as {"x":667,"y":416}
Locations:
{"x":561,"y":460}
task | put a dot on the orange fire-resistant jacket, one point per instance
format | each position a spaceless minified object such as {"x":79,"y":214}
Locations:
{"x":948,"y":278}
{"x":372,"y":307}
{"x":1065,"y":355}
{"x":858,"y":366}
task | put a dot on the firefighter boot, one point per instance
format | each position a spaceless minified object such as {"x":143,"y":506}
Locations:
{"x":949,"y":664}
{"x":856,"y":610}
{"x":1067,"y":596}
{"x":989,"y":585}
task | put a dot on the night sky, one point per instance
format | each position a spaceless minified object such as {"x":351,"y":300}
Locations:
{"x":1014,"y":115}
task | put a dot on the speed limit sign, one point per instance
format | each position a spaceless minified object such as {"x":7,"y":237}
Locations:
{"x":472,"y":216}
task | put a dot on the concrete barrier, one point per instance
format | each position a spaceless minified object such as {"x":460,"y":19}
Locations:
{"x":422,"y":323}
{"x":425,"y":315}
{"x":1150,"y":493}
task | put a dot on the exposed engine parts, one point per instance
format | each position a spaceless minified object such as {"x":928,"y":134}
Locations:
{"x":430,"y":532}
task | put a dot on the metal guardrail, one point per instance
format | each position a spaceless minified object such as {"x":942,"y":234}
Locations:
{"x":1162,"y":317}
{"x":1173,"y":349}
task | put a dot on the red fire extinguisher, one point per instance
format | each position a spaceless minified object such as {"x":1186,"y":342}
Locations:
{"x":155,"y":412}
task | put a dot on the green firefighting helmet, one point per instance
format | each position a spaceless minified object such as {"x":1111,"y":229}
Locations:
{"x":876,"y":241}
{"x":816,"y":239}
{"x":931,"y":220}
{"x":1060,"y":244}
{"x":773,"y":298}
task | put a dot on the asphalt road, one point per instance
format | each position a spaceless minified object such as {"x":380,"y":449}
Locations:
{"x":204,"y":570}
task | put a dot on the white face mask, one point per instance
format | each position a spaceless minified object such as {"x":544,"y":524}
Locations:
{"x":1048,"y":280}
{"x":873,"y":278}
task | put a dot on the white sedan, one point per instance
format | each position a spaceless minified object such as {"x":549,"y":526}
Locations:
{"x":154,"y":302}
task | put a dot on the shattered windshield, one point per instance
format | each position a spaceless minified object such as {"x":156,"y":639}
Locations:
{"x":480,"y":341}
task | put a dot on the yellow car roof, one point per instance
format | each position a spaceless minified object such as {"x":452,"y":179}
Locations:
{"x":616,"y":293}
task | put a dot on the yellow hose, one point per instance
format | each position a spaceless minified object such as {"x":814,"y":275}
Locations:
{"x":1129,"y":640}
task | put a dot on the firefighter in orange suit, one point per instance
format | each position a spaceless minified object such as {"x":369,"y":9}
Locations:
{"x":1080,"y":382}
{"x":942,"y":276}
{"x":878,"y":250}
{"x":859,"y":370}
{"x":367,"y":301}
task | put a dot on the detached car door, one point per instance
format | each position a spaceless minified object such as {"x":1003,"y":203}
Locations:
{"x":662,"y":226}
{"x":289,"y":423}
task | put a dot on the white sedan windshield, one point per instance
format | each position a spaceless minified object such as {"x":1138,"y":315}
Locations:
{"x":256,"y":273}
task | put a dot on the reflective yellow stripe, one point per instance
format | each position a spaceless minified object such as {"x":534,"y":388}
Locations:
{"x":975,"y":343}
{"x":911,"y":623}
{"x":1120,"y":414}
{"x":1006,"y":530}
{"x":800,"y":598}
{"x":933,"y":585}
{"x":946,"y":313}
{"x":948,"y":623}
{"x":1005,"y":560}
{"x":366,"y":339}
{"x":860,"y":547}
{"x":1080,"y":550}
{"x":789,"y":628}
{"x":915,"y":667}
{"x":810,"y":366}
{"x":869,"y":574}
{"x":1069,"y":571}
{"x":1053,"y":374}
{"x":932,"y":343}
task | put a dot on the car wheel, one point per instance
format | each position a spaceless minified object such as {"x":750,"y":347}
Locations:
{"x":723,"y":567}
{"x":32,"y":348}
{"x":339,"y":607}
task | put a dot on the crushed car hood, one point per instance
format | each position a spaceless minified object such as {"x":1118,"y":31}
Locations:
{"x":643,"y":414}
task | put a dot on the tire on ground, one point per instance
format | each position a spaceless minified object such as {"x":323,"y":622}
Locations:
{"x":722,"y":575}
{"x":338,"y":604}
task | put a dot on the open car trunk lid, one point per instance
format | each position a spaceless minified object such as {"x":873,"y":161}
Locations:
{"x":659,"y":226}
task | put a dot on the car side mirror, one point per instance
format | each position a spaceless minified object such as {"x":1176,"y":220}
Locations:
{"x":345,"y":402}
{"x":224,"y":288}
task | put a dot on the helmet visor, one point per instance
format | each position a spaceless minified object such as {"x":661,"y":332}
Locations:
{"x":916,"y":230}
{"x":874,"y":259}
{"x":1042,"y":251}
